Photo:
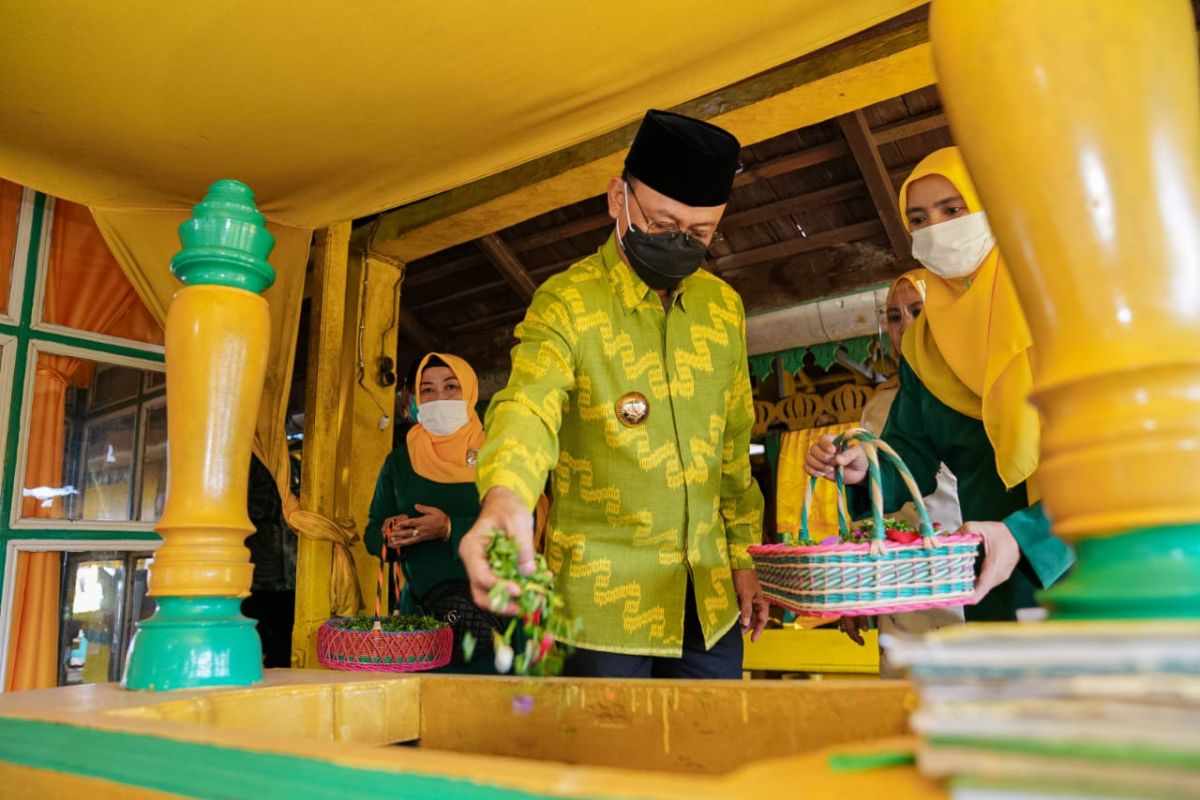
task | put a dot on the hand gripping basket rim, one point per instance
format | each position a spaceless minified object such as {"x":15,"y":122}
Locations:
{"x":857,"y":579}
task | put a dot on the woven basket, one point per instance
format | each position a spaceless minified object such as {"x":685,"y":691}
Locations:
{"x":865,"y":579}
{"x":377,"y":650}
{"x":383,"y":651}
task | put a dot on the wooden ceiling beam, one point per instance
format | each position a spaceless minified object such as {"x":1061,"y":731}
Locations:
{"x":914,"y":126}
{"x":879,"y":184}
{"x":483,"y":323}
{"x":508,"y":265}
{"x":803,"y":202}
{"x":875,"y":66}
{"x":808,"y":157}
{"x":793,"y":247}
{"x":540,"y":273}
{"x":559,"y":232}
{"x":767,"y":169}
{"x":459,"y":294}
{"x":423,"y":275}
{"x":413,"y":331}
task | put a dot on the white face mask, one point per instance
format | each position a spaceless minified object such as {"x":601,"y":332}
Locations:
{"x":442,"y":417}
{"x":954,"y":248}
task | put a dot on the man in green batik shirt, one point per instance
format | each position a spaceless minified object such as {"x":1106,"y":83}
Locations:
{"x":630,"y":387}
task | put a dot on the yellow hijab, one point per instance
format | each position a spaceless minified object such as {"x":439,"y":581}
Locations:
{"x":971,"y":346}
{"x":448,"y":459}
{"x":916,"y":279}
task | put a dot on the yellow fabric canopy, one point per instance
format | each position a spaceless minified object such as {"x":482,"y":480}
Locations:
{"x":333,"y":110}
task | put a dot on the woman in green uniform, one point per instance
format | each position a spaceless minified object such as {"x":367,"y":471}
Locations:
{"x":425,"y":500}
{"x":965,"y":379}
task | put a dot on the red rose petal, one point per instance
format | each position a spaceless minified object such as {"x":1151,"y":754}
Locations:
{"x":903,"y":537}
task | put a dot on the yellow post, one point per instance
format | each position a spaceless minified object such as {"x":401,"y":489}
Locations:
{"x":348,"y":421}
{"x":217,"y":336}
{"x":378,"y":314}
{"x":1081,"y":125}
{"x":323,"y":412}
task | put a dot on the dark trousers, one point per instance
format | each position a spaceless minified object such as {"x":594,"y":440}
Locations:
{"x":723,"y":661}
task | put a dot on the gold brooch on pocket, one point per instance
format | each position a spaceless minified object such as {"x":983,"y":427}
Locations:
{"x":633,"y":409}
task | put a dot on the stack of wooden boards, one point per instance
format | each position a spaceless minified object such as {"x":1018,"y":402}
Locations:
{"x":1059,"y":709}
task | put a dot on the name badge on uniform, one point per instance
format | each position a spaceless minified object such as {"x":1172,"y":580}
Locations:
{"x":632,"y":409}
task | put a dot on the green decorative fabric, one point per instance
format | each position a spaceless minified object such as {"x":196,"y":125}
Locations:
{"x":858,"y":349}
{"x":825,"y":354}
{"x":638,"y":505}
{"x":761,"y":366}
{"x":793,"y":360}
{"x":926,"y":433}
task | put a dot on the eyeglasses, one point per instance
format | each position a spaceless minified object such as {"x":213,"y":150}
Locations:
{"x":708,"y":240}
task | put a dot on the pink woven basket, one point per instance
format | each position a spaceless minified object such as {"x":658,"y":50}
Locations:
{"x":383,"y":651}
{"x":342,"y":646}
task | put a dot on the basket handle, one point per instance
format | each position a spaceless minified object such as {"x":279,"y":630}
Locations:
{"x":381,"y":583}
{"x":872,"y":445}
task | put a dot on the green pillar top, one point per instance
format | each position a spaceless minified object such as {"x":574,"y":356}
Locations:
{"x":226,"y":241}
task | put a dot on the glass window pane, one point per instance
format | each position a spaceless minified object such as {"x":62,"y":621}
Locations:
{"x":95,"y":447}
{"x":154,"y":463}
{"x":85,"y":287}
{"x":107,"y":469}
{"x":143,"y":605}
{"x":92,"y":618}
{"x":10,"y":210}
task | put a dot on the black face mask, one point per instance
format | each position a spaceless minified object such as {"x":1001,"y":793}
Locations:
{"x":660,"y":259}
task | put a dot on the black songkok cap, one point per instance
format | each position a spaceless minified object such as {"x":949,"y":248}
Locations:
{"x":686,"y":159}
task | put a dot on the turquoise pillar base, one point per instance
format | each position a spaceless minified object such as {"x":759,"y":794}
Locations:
{"x":193,"y":642}
{"x":1151,"y":573}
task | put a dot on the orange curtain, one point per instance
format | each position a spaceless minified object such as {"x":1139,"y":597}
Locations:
{"x":85,"y":290}
{"x":10,"y":207}
{"x":33,"y":656}
{"x":789,"y":497}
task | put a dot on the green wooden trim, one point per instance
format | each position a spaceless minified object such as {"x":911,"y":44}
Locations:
{"x":225,"y":241}
{"x":12,"y":442}
{"x":1148,"y":573}
{"x":212,"y":771}
{"x":31,"y":259}
{"x":57,"y":534}
{"x":95,"y":346}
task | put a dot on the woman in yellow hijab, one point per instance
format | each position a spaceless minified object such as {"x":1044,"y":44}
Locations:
{"x":965,"y":378}
{"x":425,"y":499}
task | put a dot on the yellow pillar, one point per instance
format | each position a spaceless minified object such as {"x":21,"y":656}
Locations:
{"x":217,"y":336}
{"x":322,"y":425}
{"x":348,"y":421}
{"x":1080,"y":121}
{"x":373,"y":418}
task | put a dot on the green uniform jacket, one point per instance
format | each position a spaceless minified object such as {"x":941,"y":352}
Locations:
{"x":925,"y":432}
{"x":397,"y":491}
{"x":635,"y":508}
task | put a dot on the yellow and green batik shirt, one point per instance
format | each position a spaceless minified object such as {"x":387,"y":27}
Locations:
{"x":635,"y":507}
